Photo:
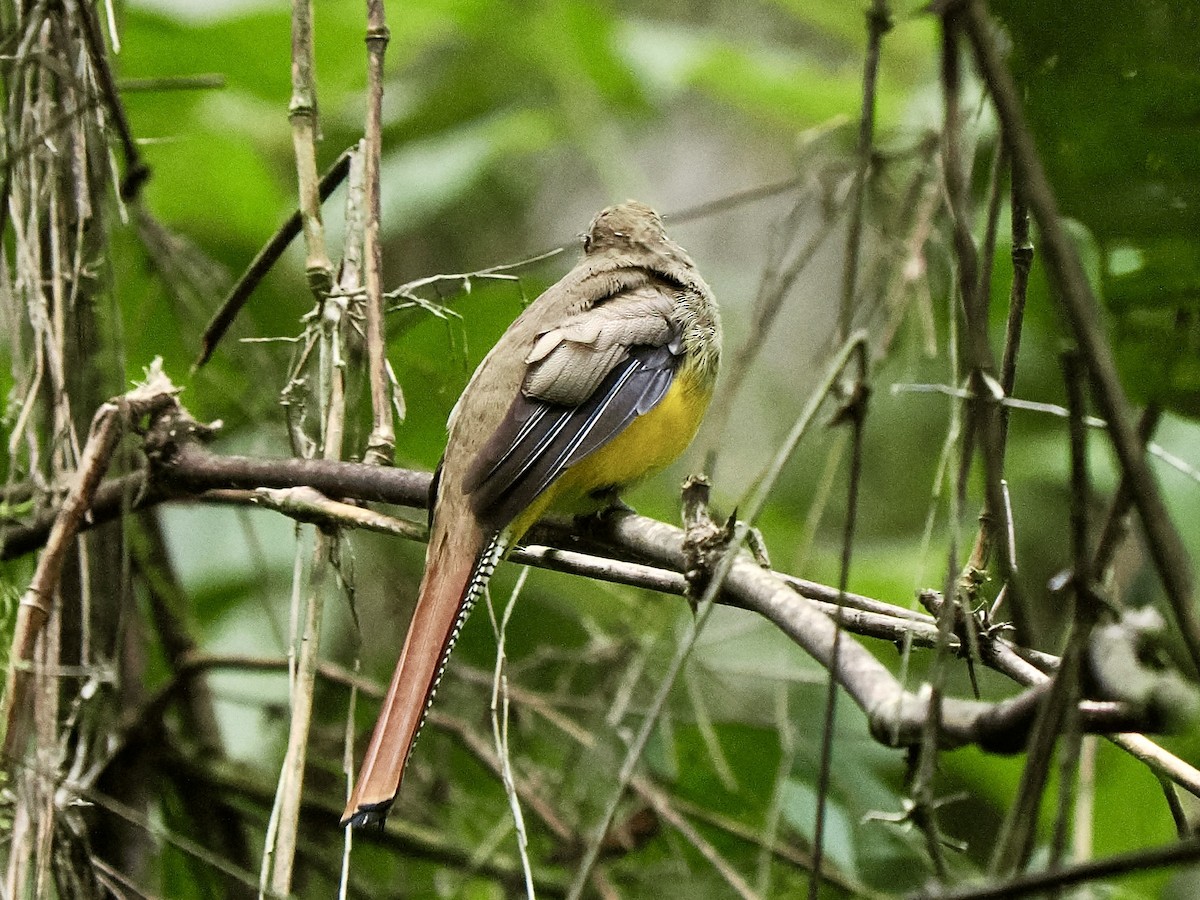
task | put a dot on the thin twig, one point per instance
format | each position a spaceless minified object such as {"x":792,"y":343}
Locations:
{"x":1116,"y":526}
{"x":1057,"y":717}
{"x":1038,"y":882}
{"x":302,"y":112}
{"x":992,"y":222}
{"x":853,"y":412}
{"x":731,"y":201}
{"x":1022,"y":263}
{"x":981,"y":552}
{"x":662,"y":806}
{"x":769,"y":839}
{"x":924,"y":807}
{"x":136,"y":170}
{"x":499,"y":712}
{"x":1084,"y":612}
{"x":1051,"y":409}
{"x":879,"y":22}
{"x":1084,"y":823}
{"x":983,"y":424}
{"x":401,"y":839}
{"x":210,"y":81}
{"x":74,"y":792}
{"x":348,"y":757}
{"x":778,"y":278}
{"x":263,"y":262}
{"x":483,"y":751}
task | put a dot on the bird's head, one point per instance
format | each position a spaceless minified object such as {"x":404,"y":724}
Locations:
{"x":624,"y":226}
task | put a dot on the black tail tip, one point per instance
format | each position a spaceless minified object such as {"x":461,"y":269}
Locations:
{"x":371,"y":816}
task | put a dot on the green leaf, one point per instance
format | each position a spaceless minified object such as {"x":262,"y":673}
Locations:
{"x":800,"y":811}
{"x":427,"y":175}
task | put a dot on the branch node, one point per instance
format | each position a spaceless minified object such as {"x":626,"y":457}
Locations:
{"x":704,"y":540}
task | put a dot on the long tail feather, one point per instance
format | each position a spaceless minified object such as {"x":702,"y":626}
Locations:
{"x":453,"y":581}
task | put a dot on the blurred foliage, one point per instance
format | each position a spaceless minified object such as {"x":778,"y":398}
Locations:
{"x":1114,"y":97}
{"x":506,"y":126}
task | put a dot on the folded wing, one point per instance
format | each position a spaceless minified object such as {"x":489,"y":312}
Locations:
{"x":588,"y":379}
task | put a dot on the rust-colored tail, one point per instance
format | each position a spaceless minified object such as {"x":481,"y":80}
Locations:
{"x":454,"y":578}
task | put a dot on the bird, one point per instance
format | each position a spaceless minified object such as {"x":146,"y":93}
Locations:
{"x":601,"y":381}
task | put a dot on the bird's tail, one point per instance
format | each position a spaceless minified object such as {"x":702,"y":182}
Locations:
{"x":453,"y":581}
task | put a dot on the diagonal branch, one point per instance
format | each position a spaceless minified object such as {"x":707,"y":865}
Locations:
{"x":1082,"y":312}
{"x":110,"y":422}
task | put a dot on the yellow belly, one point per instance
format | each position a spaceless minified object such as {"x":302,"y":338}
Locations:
{"x":649,"y":443}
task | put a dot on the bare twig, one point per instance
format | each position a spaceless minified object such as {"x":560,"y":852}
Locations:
{"x":1085,"y":611}
{"x":732,"y":201}
{"x":146,"y":823}
{"x":983,"y":424}
{"x":136,"y":170}
{"x":769,"y":838}
{"x":923,"y":804}
{"x":400,"y":838}
{"x":209,"y":81}
{"x":499,"y":711}
{"x":1057,"y":717}
{"x":1022,"y":262}
{"x":1083,"y":825}
{"x":382,"y":442}
{"x":485,"y":752}
{"x":992,"y":222}
{"x":778,"y":278}
{"x":981,"y":551}
{"x":662,"y":805}
{"x":172,"y":623}
{"x":1116,"y":526}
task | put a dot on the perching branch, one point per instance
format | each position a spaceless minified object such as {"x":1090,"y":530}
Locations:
{"x":183,"y":469}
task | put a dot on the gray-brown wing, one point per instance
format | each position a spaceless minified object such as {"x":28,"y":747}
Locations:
{"x":538,"y":439}
{"x":588,"y":379}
